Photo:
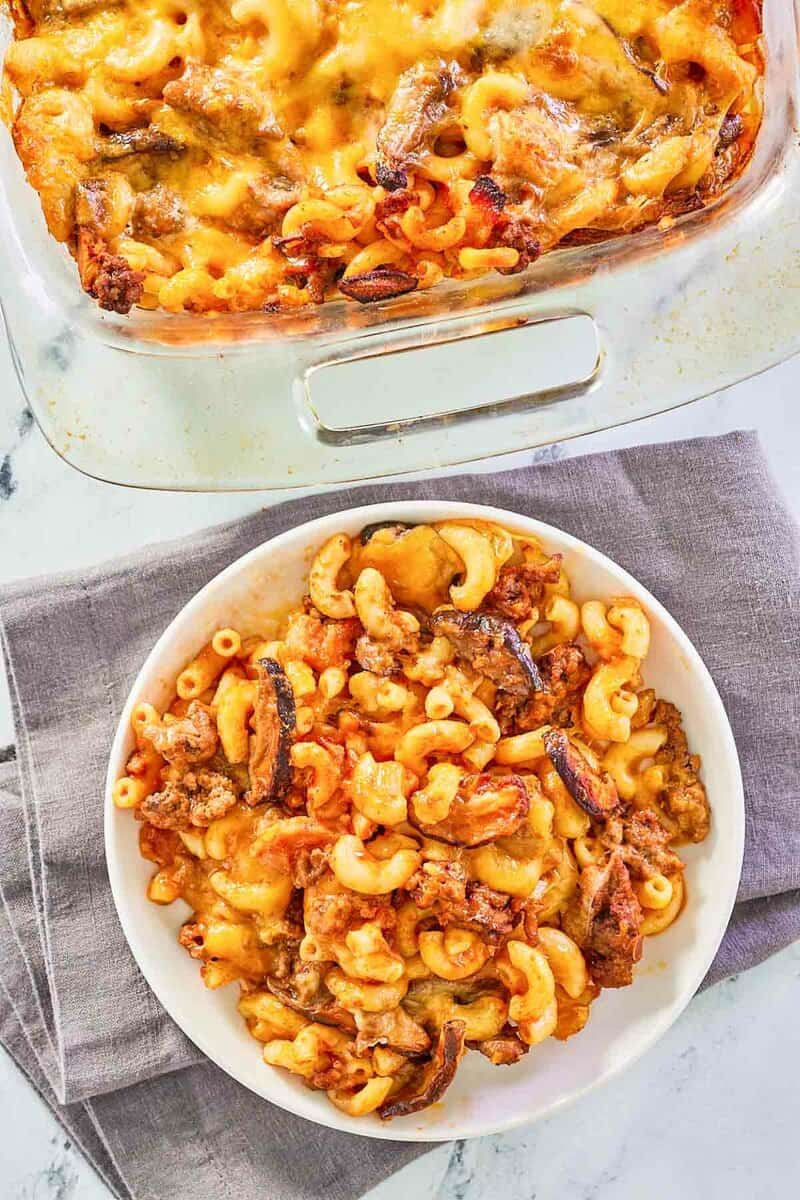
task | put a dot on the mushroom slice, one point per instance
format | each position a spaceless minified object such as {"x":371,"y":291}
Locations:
{"x":322,"y":1008}
{"x":596,"y":793}
{"x":487,"y":807}
{"x":381,"y":283}
{"x":481,"y":1003}
{"x":41,"y":10}
{"x":417,"y":112}
{"x":274,"y":721}
{"x":145,"y":140}
{"x":604,"y":918}
{"x":661,"y":84}
{"x":493,"y":647}
{"x":434,"y":1079}
{"x":394,"y":1028}
{"x":396,"y":528}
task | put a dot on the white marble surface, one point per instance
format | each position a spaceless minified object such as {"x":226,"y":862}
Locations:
{"x":711,"y":1110}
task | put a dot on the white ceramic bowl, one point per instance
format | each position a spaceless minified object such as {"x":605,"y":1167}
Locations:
{"x":623,"y":1024}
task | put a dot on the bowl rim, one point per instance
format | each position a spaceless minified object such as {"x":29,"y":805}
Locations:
{"x":316,"y":528}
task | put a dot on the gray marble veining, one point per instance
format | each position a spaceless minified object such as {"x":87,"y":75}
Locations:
{"x":60,"y":350}
{"x":7,"y":483}
{"x":60,"y":1179}
{"x":22,"y":426}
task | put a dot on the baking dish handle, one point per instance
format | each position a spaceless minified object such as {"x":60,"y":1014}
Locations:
{"x":345,"y":397}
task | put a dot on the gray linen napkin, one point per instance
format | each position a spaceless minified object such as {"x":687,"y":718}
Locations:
{"x":698,"y":522}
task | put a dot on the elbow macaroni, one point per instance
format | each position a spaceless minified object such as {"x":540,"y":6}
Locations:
{"x":326,"y":596}
{"x":358,"y":870}
{"x":533,"y":1001}
{"x":608,"y":704}
{"x":480,"y":565}
{"x":377,"y":613}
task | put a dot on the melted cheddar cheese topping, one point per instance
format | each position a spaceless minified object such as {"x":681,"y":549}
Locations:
{"x":235,"y":155}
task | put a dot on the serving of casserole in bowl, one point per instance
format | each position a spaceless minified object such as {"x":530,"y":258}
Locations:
{"x":424,"y":789}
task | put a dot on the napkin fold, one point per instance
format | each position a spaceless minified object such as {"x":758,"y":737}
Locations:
{"x":699,"y":523}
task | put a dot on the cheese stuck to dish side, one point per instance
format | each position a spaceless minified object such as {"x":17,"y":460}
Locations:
{"x":237,"y":155}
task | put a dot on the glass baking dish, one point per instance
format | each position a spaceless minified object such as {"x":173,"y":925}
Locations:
{"x":607,"y":333}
